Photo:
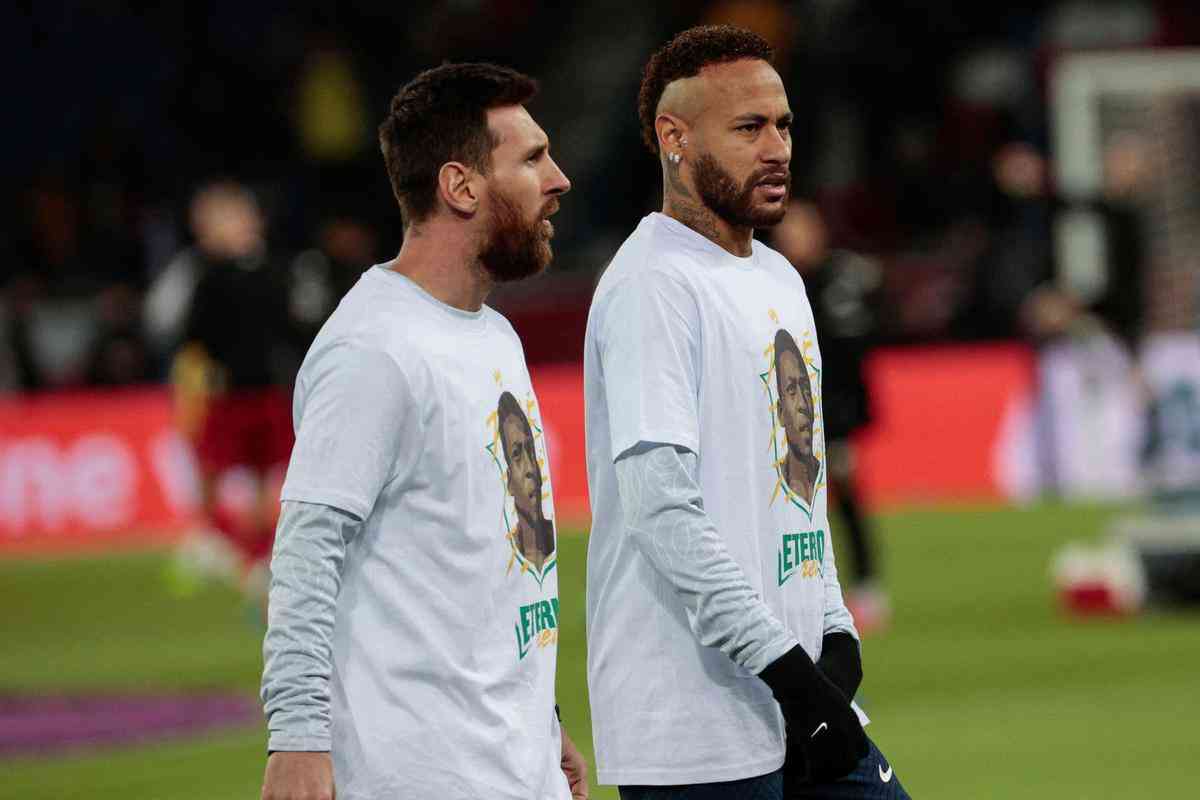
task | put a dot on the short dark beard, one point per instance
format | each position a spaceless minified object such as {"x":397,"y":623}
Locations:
{"x":515,"y":249}
{"x":719,"y":191}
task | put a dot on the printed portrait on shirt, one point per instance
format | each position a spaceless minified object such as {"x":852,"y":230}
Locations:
{"x":522,"y":464}
{"x":791,"y":382}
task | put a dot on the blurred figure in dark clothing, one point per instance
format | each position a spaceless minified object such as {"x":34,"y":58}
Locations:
{"x":319,"y":277}
{"x":1016,"y":290}
{"x":231,"y":374}
{"x":118,"y":356}
{"x":19,"y":296}
{"x":843,"y":288}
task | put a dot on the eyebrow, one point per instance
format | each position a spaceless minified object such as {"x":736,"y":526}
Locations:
{"x":537,"y":150}
{"x":762,"y":119}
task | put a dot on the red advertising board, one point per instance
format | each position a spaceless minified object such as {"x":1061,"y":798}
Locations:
{"x":98,"y":470}
{"x":942,"y":415}
{"x":92,"y":469}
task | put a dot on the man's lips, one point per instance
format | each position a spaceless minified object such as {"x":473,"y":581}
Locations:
{"x":774,"y":191}
{"x":774,"y":185}
{"x":550,"y":210}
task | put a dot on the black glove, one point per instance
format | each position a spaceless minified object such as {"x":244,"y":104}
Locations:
{"x":824,"y":738}
{"x":841,"y":662}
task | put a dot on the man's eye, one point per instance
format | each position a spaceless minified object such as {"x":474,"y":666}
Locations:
{"x":750,"y":127}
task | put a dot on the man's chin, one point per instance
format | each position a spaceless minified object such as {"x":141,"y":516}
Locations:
{"x":547,"y":258}
{"x":528,"y":269}
{"x":769,"y":215}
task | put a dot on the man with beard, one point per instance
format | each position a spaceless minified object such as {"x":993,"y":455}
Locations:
{"x":533,"y":536}
{"x":721,"y":657}
{"x":390,"y":669}
{"x":799,"y":468}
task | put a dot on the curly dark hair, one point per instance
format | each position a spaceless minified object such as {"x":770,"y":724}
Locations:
{"x":440,"y":116}
{"x":684,"y":56}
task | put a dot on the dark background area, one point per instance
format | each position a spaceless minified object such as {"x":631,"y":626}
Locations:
{"x":906,"y":111}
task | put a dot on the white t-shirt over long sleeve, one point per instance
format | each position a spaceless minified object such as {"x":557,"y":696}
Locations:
{"x":420,"y":420}
{"x":690,"y":346}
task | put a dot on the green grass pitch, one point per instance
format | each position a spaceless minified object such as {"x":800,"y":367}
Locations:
{"x":981,"y":688}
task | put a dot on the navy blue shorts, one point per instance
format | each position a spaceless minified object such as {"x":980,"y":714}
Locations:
{"x":872,"y":779}
{"x":764,"y":787}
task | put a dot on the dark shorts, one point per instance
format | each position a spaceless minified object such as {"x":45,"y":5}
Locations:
{"x":246,"y":428}
{"x":872,"y":779}
{"x":764,"y":787}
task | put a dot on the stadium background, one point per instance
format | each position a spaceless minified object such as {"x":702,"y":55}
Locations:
{"x":969,"y":152}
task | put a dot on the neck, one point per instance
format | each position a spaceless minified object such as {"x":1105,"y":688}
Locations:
{"x":442,"y":261}
{"x":528,"y":531}
{"x":681,"y":203}
{"x":798,"y":468}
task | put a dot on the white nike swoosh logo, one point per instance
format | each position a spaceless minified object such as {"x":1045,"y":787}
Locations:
{"x":820,"y":728}
{"x":885,"y":776}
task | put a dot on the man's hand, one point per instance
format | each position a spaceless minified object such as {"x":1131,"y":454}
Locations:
{"x":841,"y":662}
{"x":575,"y":768}
{"x":824,"y":738}
{"x":302,"y":776}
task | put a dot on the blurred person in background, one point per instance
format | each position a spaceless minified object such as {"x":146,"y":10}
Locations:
{"x":718,"y":557}
{"x":843,"y":289}
{"x":118,"y":356}
{"x":1093,"y":396}
{"x":390,"y":666}
{"x":320,"y":276}
{"x":229,"y":394}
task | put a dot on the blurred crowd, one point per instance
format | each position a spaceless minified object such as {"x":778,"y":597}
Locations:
{"x":165,"y":140}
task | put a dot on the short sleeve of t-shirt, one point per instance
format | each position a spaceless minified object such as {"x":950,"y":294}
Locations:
{"x":649,"y":351}
{"x":357,"y":429}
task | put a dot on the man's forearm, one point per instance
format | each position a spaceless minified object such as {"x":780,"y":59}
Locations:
{"x":664,"y":513}
{"x":297,"y":653}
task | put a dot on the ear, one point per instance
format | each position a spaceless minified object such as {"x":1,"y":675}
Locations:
{"x":460,"y":187}
{"x":672,"y":132}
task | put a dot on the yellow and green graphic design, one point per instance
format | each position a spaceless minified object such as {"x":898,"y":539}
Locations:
{"x":536,"y":626}
{"x":802,"y":553}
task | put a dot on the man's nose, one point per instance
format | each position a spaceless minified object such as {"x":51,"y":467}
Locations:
{"x":559,"y":182}
{"x":777,"y":148}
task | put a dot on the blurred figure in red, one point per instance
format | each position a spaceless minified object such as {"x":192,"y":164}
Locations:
{"x":231,"y":398}
{"x":843,"y":288}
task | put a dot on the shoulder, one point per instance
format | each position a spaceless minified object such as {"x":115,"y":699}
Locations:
{"x":651,"y":261}
{"x":501,"y":330}
{"x":365,"y":331}
{"x":777,"y":265}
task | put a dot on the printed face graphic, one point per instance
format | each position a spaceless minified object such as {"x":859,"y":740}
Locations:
{"x":533,"y":534}
{"x":524,"y":473}
{"x":795,"y":404}
{"x":796,"y":411}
